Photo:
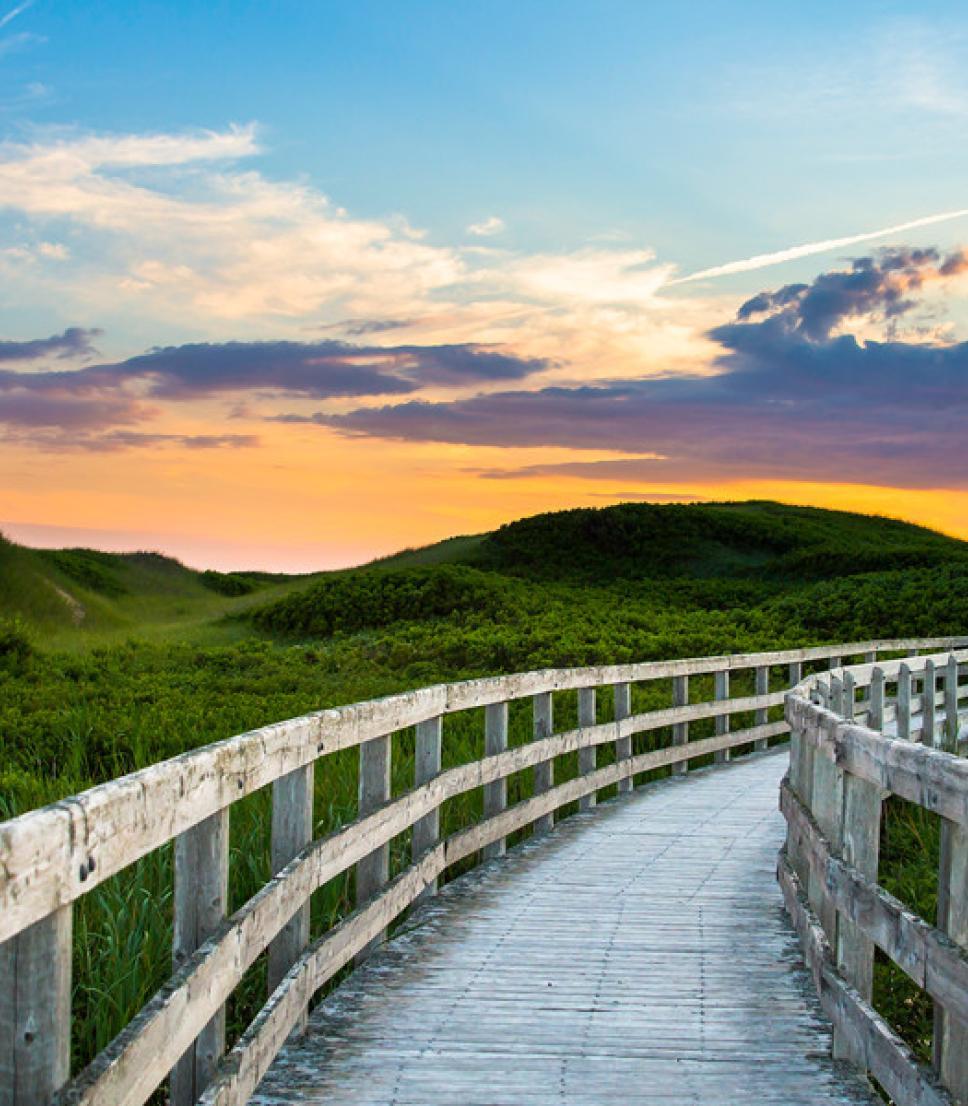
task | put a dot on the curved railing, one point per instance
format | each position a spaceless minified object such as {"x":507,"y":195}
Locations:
{"x":859,"y":735}
{"x":52,"y":857}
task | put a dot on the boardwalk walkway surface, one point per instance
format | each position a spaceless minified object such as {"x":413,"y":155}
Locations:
{"x":640,"y":954}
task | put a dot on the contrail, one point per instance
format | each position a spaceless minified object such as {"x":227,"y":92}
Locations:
{"x":14,"y":12}
{"x":762,"y":260}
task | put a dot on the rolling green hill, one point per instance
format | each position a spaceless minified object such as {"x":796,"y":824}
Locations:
{"x":826,"y":571}
{"x":77,"y":597}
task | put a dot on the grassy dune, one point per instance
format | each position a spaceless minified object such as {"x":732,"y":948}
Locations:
{"x":164,"y":659}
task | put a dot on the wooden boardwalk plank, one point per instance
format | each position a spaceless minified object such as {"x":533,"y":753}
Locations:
{"x":638,"y":953}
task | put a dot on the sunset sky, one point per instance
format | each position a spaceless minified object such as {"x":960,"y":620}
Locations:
{"x":292,"y":285}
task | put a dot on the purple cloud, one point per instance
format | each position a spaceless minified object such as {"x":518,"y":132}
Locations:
{"x":107,"y":396}
{"x":791,"y":401}
{"x":74,"y":342}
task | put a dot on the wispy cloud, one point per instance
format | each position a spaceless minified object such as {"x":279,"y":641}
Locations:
{"x":493,"y":224}
{"x":14,"y":12}
{"x":793,"y":253}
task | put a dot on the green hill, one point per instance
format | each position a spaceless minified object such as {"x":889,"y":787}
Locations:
{"x":710,"y":540}
{"x":664,"y":563}
{"x":825,"y":571}
{"x":78,"y":596}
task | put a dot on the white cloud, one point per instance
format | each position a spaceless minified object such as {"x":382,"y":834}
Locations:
{"x":173,"y":235}
{"x":242,"y":245}
{"x":484,"y":229}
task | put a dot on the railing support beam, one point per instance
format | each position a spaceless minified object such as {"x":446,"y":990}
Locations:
{"x":201,"y":902}
{"x":680,"y":731}
{"x":292,"y":830}
{"x":623,"y":746}
{"x":428,"y":742}
{"x":587,"y":757}
{"x":35,"y":1011}
{"x":721,"y":692}
{"x":762,"y":715}
{"x":373,"y":870}
{"x":496,"y":793}
{"x":544,"y":773}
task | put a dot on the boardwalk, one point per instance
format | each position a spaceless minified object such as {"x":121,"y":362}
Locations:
{"x":638,"y":955}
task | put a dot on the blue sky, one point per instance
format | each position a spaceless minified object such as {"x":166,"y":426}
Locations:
{"x":462,"y":195}
{"x":701,"y":129}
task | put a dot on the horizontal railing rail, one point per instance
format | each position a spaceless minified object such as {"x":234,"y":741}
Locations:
{"x":859,"y":735}
{"x":51,"y":857}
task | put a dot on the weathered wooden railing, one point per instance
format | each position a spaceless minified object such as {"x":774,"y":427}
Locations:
{"x":858,"y":735}
{"x":51,"y":857}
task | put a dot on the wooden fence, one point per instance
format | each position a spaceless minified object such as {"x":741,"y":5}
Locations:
{"x":51,"y":857}
{"x":859,"y":735}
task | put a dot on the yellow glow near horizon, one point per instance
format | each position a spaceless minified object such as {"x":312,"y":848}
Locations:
{"x":309,"y":499}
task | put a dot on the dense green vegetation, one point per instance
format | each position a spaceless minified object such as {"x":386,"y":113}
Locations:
{"x":111,"y":662}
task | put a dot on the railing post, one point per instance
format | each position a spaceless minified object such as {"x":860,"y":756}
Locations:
{"x":496,"y":793}
{"x":373,"y":870}
{"x":871,"y":657}
{"x":875,"y":717}
{"x":35,"y":1011}
{"x":951,"y":1034}
{"x":201,"y":901}
{"x":848,"y":702}
{"x":623,"y":745}
{"x":861,"y":848}
{"x":827,"y":805}
{"x":929,"y":694}
{"x":428,"y":741}
{"x":587,"y":756}
{"x":835,"y":662}
{"x":904,"y":703}
{"x":951,"y":704}
{"x":680,"y":731}
{"x":795,"y":672}
{"x":292,"y":830}
{"x":544,"y":773}
{"x":837,"y":695}
{"x":762,"y":715}
{"x":721,"y":756}
{"x":801,"y":781}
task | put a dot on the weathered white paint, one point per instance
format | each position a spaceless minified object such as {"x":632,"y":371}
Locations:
{"x":544,"y":772}
{"x":35,"y":1011}
{"x":42,"y":853}
{"x":622,"y":699}
{"x":201,"y":900}
{"x":496,"y":792}
{"x":721,"y":691}
{"x":428,"y":743}
{"x":373,"y":870}
{"x":680,"y":730}
{"x":292,"y":830}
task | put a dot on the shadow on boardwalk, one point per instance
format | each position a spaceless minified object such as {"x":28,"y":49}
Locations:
{"x":640,"y":954}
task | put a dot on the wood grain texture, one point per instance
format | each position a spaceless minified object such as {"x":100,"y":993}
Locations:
{"x":595,"y":965}
{"x":35,"y":1011}
{"x":622,"y":700}
{"x":544,"y":771}
{"x":495,"y":792}
{"x":292,"y":830}
{"x":428,"y":745}
{"x":201,"y":902}
{"x":587,"y":755}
